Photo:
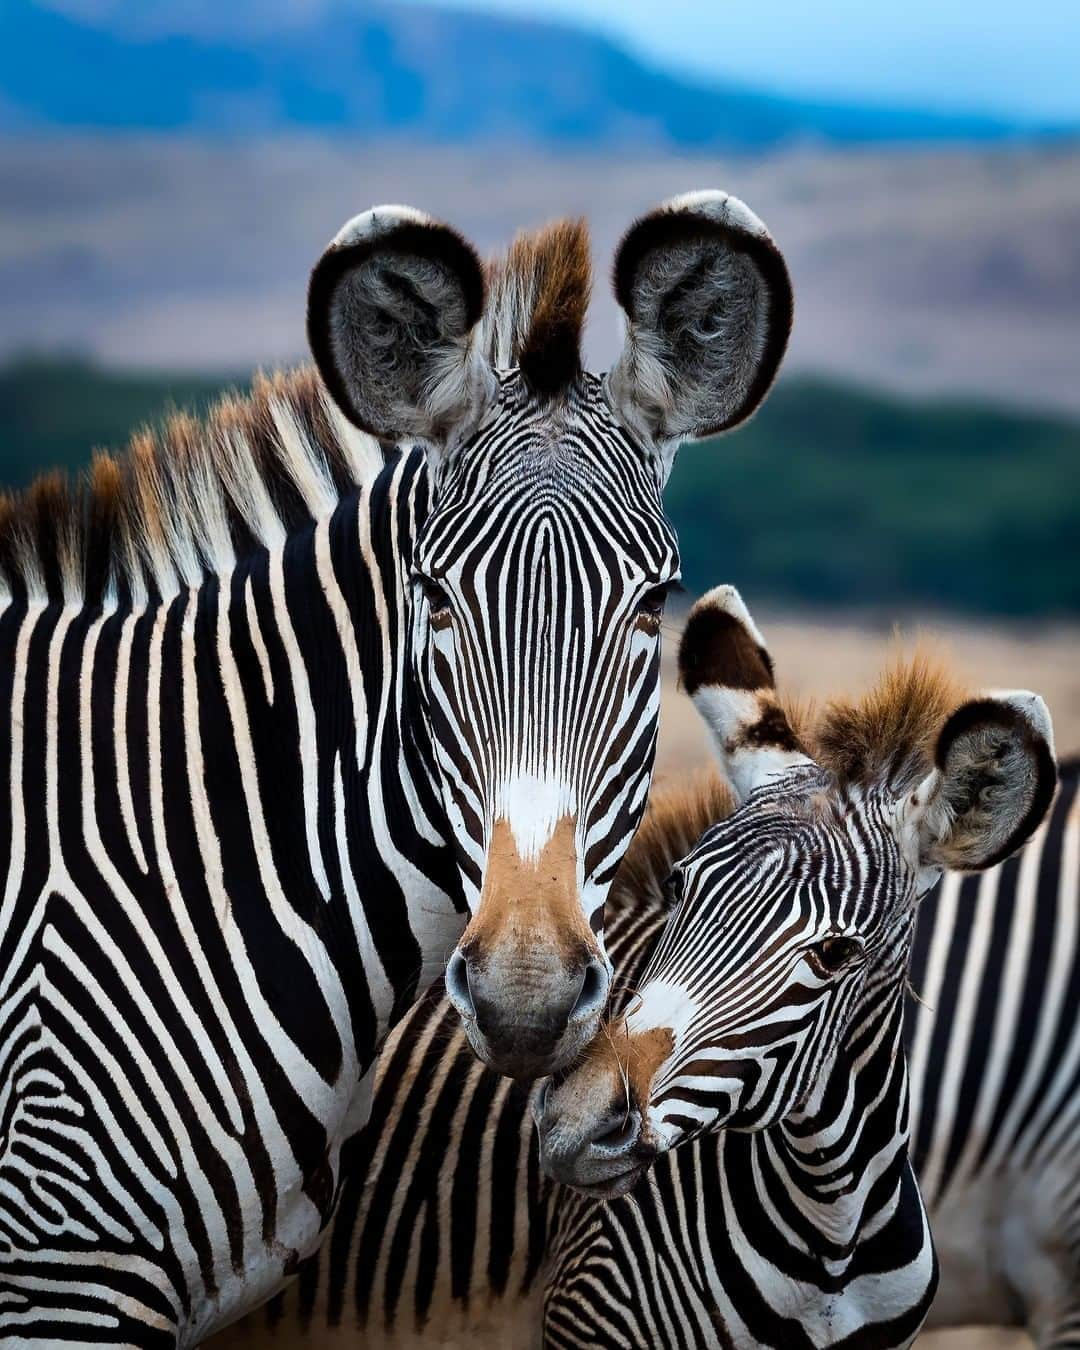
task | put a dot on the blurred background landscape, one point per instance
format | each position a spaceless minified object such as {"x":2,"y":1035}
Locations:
{"x":170,"y":169}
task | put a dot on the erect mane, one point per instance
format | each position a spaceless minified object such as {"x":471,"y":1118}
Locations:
{"x":538,"y":295}
{"x":191,"y":498}
{"x":677,"y":815}
{"x":888,"y":734}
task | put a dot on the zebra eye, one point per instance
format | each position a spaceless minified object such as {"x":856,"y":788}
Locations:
{"x":833,"y":954}
{"x":650,"y":608}
{"x":437,"y":598}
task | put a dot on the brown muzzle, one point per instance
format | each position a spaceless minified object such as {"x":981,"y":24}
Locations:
{"x":529,"y":978}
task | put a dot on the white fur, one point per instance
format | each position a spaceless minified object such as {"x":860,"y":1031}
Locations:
{"x":377,"y":221}
{"x":717,"y":205}
{"x":532,"y":806}
{"x":728,"y":599}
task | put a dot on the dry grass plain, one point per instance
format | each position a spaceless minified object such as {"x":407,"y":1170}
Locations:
{"x":926,"y":270}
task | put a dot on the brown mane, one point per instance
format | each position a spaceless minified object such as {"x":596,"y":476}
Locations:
{"x":538,"y":295}
{"x":887,"y":734}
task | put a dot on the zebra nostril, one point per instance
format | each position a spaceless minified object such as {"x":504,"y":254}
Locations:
{"x":457,"y":986}
{"x":619,"y":1133}
{"x":593,"y":993}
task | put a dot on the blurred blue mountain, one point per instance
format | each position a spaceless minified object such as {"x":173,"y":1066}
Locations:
{"x":426,"y":73}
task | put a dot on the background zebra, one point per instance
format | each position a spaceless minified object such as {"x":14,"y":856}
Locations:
{"x":448,"y":1232}
{"x":276,"y":720}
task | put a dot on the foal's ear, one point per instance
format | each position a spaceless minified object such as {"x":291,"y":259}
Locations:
{"x":709,"y":306}
{"x":727,"y":671}
{"x":992,"y":783}
{"x":392,"y":305}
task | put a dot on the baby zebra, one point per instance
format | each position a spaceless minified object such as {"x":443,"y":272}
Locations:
{"x":447,"y":1231}
{"x":772,"y":1009}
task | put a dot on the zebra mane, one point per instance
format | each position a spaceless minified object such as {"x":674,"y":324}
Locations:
{"x":676,"y":817}
{"x":193,"y":497}
{"x":537,"y":298}
{"x":888,"y":734}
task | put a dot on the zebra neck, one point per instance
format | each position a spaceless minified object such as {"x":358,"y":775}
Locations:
{"x":843,"y":1158}
{"x":297,"y":671}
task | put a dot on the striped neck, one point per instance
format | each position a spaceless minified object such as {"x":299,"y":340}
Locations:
{"x":843,"y":1156}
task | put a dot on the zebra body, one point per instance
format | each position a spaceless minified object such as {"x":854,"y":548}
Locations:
{"x":185,"y":1036}
{"x":284,"y":729}
{"x":771,"y":1008}
{"x":994,"y":1052}
{"x":450,"y":1235}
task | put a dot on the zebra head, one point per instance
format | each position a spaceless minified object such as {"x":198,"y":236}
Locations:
{"x":540,"y":569}
{"x":792,"y":918}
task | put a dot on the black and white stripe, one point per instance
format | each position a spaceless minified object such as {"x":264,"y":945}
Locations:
{"x":799,"y":1223}
{"x":993,"y":1041}
{"x":772,"y":1007}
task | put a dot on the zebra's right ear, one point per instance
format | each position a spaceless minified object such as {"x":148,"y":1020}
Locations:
{"x":708,"y":305}
{"x":392,"y":306}
{"x":726,"y":669}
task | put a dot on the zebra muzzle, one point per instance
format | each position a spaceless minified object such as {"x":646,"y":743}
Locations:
{"x":527,"y":1018}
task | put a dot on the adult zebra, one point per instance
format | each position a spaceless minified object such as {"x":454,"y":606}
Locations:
{"x":448,"y":1234}
{"x":274,"y":725}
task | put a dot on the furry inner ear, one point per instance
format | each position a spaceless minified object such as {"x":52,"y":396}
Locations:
{"x":992,"y":783}
{"x":392,"y":305}
{"x":725,"y":668}
{"x":709,"y":307}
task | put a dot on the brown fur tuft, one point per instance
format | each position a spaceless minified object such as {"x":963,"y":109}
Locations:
{"x":538,"y":299}
{"x":185,"y":500}
{"x":890,"y":732}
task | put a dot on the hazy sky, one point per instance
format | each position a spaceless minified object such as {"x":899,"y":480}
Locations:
{"x":996,"y":55}
{"x":992,"y":54}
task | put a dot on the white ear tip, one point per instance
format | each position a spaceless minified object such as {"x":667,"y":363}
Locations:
{"x":713,"y":204}
{"x":1031,"y":706}
{"x":729,"y":601}
{"x":379,"y":220}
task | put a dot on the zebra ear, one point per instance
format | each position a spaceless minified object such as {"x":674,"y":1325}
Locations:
{"x":708,"y":304}
{"x":991,"y":785}
{"x":727,"y":671}
{"x":392,"y":305}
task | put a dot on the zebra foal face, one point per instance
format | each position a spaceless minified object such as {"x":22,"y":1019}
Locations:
{"x":542,"y":561}
{"x":793,"y":916}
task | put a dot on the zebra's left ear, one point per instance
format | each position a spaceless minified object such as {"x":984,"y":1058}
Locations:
{"x":708,"y":304}
{"x":991,"y":785}
{"x":725,"y":668}
{"x":392,"y":305}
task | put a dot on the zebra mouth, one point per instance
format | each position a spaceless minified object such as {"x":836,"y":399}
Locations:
{"x":612,"y":1188}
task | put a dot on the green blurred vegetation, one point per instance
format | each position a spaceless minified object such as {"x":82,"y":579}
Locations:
{"x":831,"y":497}
{"x":54,"y":412}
